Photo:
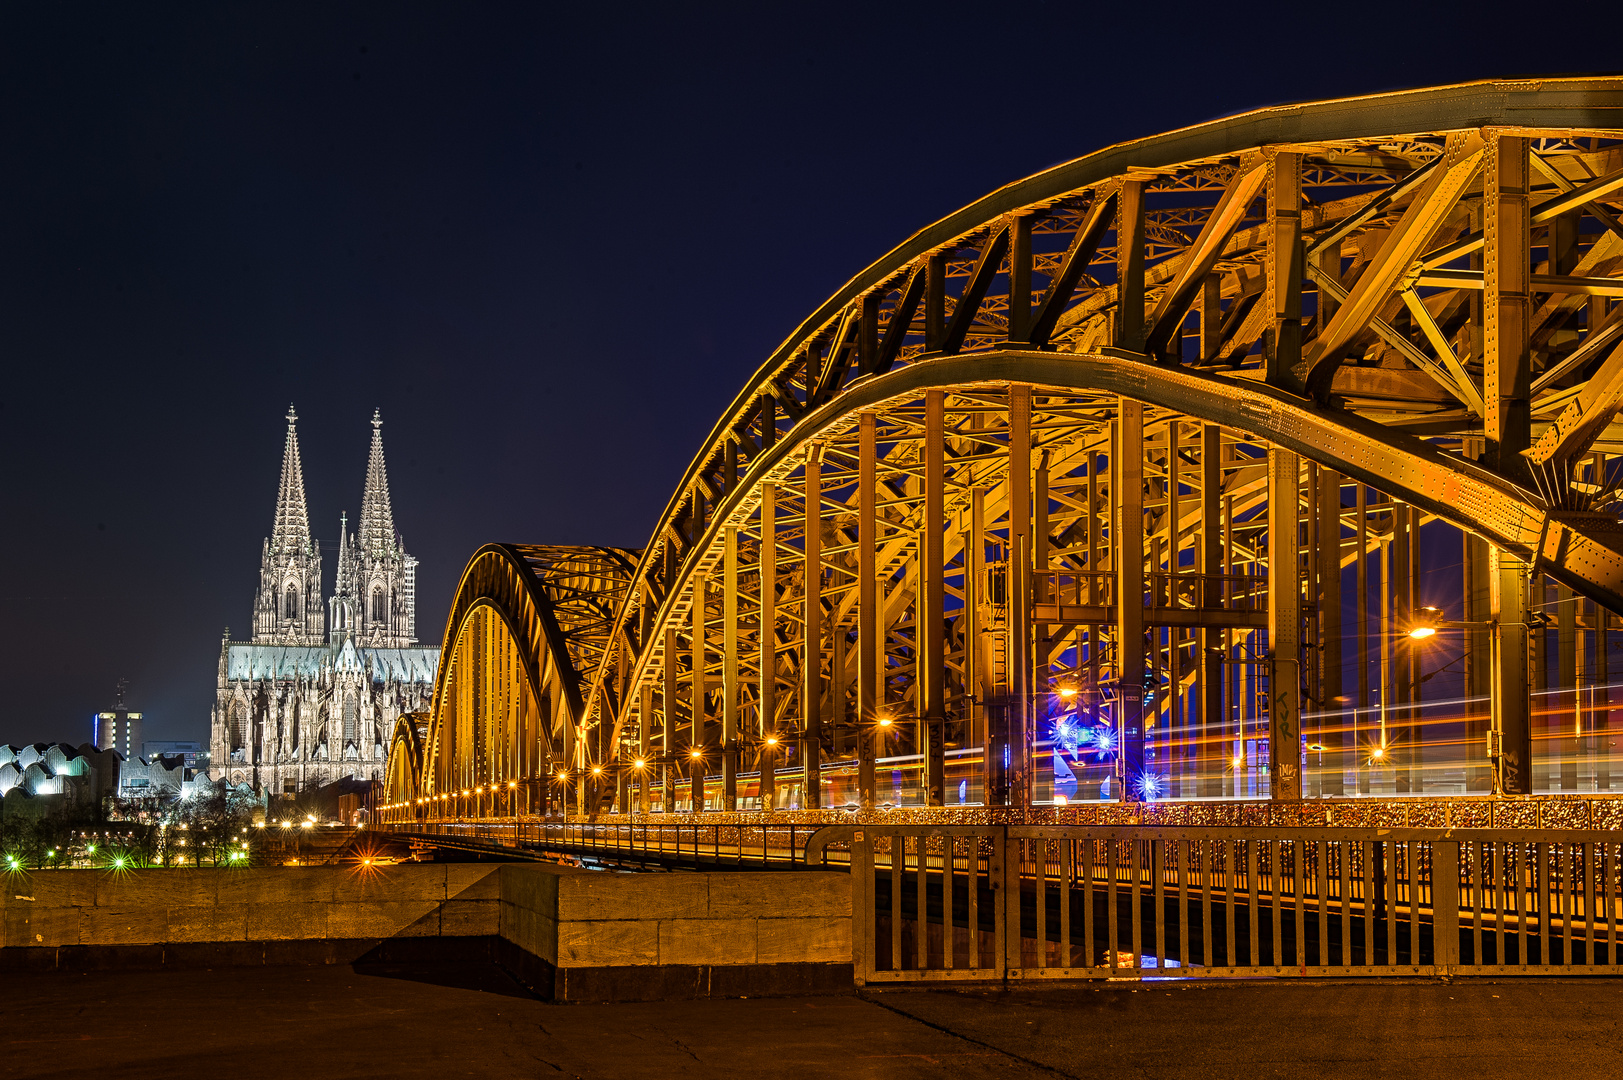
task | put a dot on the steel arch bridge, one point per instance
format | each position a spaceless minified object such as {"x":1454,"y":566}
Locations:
{"x":1127,"y":481}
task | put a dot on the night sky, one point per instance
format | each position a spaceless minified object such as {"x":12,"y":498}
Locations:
{"x":549,"y":242}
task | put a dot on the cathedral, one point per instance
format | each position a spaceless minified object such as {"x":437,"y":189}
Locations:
{"x":313,"y":695}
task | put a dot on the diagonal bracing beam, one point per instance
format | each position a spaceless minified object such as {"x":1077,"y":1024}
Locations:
{"x":1420,"y":222}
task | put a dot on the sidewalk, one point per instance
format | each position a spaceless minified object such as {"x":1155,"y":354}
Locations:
{"x":474,"y":1021}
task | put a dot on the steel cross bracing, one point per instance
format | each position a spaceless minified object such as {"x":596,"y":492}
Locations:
{"x":1157,"y":372}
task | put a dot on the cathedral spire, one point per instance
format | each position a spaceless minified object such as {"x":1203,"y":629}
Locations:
{"x":288,"y":608}
{"x":291,"y":531}
{"x":377,"y":519}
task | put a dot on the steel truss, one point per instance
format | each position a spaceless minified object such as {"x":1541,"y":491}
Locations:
{"x":1112,"y":432}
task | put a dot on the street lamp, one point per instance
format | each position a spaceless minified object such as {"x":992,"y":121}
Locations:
{"x":1425,"y":623}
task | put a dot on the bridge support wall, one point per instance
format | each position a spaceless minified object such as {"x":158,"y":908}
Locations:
{"x":569,"y":934}
{"x":575,"y":935}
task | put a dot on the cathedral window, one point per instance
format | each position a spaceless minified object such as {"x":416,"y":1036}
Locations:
{"x":377,"y":605}
{"x":291,"y":608}
{"x":239,"y":726}
{"x":349,"y":719}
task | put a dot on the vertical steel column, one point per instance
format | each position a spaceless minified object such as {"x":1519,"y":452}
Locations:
{"x":1020,"y":280}
{"x":571,"y":754}
{"x":1127,"y":548}
{"x":1332,"y":729}
{"x":980,"y":684}
{"x":673,"y":760}
{"x":1211,"y":317}
{"x":1018,"y":623}
{"x":870,"y":649}
{"x":1284,"y":629}
{"x":932,"y":600}
{"x":729,"y":670}
{"x":1040,"y":559}
{"x":811,"y":646}
{"x":1283,"y":349}
{"x":935,"y":301}
{"x":1361,"y":626}
{"x":1416,"y":726}
{"x":696,"y":756}
{"x":1129,"y":324}
{"x":645,"y":724}
{"x":767,"y":704}
{"x":1176,"y":742}
{"x":1208,"y":730}
{"x":1401,"y":745}
{"x":1506,"y":310}
{"x":1566,"y":717}
{"x":1603,"y":706}
{"x":1478,"y":669}
{"x":1510,"y":743}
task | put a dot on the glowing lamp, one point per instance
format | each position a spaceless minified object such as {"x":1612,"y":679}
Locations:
{"x":884,"y":721}
{"x":597,"y":770}
{"x":1425,"y":623}
{"x":639,"y":764}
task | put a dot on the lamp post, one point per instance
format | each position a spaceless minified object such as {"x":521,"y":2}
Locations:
{"x":1509,"y":737}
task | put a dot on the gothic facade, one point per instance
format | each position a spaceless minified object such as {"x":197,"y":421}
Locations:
{"x":312,"y":697}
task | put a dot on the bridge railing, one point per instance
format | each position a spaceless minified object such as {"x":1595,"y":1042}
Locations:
{"x":1031,"y":902}
{"x":719,"y":844}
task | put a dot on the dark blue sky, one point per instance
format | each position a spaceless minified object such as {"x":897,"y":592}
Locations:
{"x":548,"y":242}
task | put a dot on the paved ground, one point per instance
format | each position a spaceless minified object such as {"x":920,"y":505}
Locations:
{"x":474,"y":1021}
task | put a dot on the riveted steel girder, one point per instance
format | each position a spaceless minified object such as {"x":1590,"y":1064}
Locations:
{"x":1383,"y":195}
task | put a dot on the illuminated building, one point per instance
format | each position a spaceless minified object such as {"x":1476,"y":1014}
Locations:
{"x":119,"y":729}
{"x":313,"y":696}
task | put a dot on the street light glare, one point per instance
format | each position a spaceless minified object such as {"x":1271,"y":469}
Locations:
{"x":1421,"y":632}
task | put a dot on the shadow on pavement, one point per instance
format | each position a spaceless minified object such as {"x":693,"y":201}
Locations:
{"x":486,"y":978}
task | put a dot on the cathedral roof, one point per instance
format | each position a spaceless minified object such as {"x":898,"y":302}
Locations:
{"x":254,"y":661}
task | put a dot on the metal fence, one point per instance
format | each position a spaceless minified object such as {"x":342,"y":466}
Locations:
{"x":1135,"y":902}
{"x":720,"y":845}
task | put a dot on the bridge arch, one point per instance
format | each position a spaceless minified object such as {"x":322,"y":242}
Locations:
{"x":507,"y":702}
{"x":1148,"y":375}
